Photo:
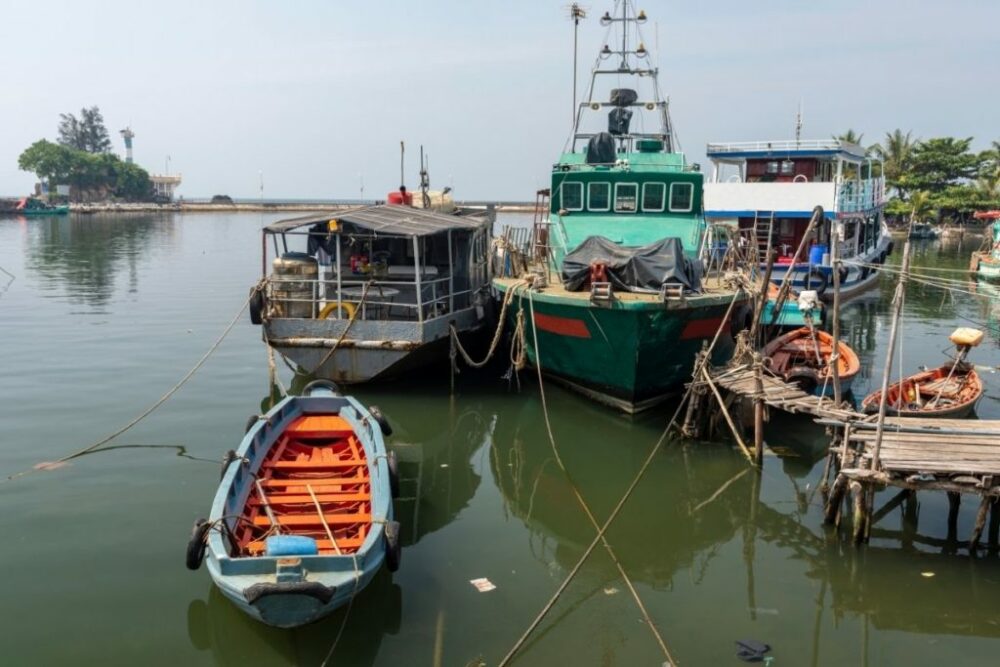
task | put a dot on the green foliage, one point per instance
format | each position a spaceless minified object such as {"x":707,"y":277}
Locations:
{"x":895,"y":151}
{"x":86,"y":133}
{"x":938,"y":164}
{"x":99,"y":175}
{"x":850,"y":137}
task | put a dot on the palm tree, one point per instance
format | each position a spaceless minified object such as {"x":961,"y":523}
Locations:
{"x":920,"y":206}
{"x":850,"y":137}
{"x":895,"y":152}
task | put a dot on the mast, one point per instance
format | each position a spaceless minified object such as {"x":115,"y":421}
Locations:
{"x":632,"y":62}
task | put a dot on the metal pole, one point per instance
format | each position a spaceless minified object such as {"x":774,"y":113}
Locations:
{"x":897,"y":303}
{"x":416,"y":276}
{"x":835,"y":353}
{"x":402,"y":154}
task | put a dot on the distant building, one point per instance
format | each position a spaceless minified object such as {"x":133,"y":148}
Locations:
{"x":164,"y":186}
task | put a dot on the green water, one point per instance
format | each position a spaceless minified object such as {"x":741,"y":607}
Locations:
{"x":106,"y":314}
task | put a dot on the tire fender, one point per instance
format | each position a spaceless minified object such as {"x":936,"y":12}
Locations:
{"x":393,"y":549}
{"x":196,"y":545}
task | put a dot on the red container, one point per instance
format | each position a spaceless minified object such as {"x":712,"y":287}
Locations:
{"x":400,"y":198}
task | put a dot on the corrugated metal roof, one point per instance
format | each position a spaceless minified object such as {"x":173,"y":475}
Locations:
{"x":387,"y":219}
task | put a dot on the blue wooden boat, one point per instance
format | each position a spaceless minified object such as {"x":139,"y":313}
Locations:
{"x":303,"y":518}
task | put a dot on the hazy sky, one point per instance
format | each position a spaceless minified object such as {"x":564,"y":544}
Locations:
{"x":316,"y":94}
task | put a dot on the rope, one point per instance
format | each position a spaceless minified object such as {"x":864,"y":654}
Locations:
{"x":507,"y":298}
{"x":148,"y":411}
{"x":700,"y":364}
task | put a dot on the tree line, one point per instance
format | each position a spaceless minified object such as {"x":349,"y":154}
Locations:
{"x":936,"y":180}
{"x":81,"y":158}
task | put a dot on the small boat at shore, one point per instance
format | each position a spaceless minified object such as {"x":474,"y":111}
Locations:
{"x":32,"y":206}
{"x":951,"y":390}
{"x":986,"y":261}
{"x":802,"y":357}
{"x":303,"y":517}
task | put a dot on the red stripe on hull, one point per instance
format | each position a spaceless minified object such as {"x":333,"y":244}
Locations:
{"x":563,"y":326}
{"x":704,"y":328}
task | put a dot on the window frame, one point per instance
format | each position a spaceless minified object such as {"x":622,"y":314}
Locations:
{"x":690,"y":206}
{"x":592,"y":184}
{"x":562,"y":196}
{"x":663,"y":197}
{"x":614,"y":204}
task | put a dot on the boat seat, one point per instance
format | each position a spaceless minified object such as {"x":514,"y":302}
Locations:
{"x":360,"y":477}
{"x":330,"y":426}
{"x":297,"y":498}
{"x":297,"y":520}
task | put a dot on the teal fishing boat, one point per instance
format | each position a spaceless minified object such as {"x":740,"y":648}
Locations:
{"x":303,"y":517}
{"x":611,"y":285}
{"x":32,"y":206}
{"x":986,"y":262}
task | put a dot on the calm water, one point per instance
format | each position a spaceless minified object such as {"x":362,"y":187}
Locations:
{"x":106,"y":314}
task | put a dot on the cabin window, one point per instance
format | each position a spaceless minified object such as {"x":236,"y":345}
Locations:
{"x":787,"y":168}
{"x":772,"y":167}
{"x":572,"y":196}
{"x":681,"y":197}
{"x":599,"y":196}
{"x":654,"y":196}
{"x":626,"y":197}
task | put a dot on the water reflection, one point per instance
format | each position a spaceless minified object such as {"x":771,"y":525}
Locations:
{"x":214,"y":624}
{"x":83,"y":255}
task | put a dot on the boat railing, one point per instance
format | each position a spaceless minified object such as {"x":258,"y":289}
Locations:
{"x":366,"y":299}
{"x":779,"y":145}
{"x":859,"y":196}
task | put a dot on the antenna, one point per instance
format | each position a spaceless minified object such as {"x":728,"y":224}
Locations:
{"x":798,"y":124}
{"x":402,"y":154}
{"x":576,"y":12}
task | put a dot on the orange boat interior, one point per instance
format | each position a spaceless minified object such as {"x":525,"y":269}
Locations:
{"x":915,"y":392}
{"x":317,"y":453}
{"x":799,"y":350}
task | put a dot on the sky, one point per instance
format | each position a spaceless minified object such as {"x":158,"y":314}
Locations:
{"x":313,"y":97}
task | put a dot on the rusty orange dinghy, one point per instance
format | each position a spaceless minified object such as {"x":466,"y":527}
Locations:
{"x":949,"y":391}
{"x":302,"y":519}
{"x":802,"y":357}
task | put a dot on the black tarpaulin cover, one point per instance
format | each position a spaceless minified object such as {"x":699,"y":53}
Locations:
{"x":632,"y":269}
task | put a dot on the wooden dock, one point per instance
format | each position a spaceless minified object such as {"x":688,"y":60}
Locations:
{"x":779,"y":394}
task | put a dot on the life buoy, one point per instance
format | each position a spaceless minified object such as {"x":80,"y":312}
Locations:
{"x":196,"y":545}
{"x":345,"y":307}
{"x":393,"y":549}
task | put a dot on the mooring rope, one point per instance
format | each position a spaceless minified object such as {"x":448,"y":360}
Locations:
{"x":507,"y":298}
{"x":148,"y":411}
{"x":699,"y":365}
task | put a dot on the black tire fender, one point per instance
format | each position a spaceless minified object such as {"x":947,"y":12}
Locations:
{"x":196,"y":545}
{"x":818,"y":281}
{"x":320,"y":384}
{"x":251,"y":420}
{"x":383,"y":423}
{"x":393,"y":464}
{"x":227,"y":460}
{"x":393,"y":549}
{"x":256,"y":305}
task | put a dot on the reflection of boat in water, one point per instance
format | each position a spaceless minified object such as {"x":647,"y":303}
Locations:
{"x":232,"y":637}
{"x":651,"y":545}
{"x":923,"y":230}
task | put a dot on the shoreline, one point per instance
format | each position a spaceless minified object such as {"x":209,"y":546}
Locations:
{"x":267,"y":207}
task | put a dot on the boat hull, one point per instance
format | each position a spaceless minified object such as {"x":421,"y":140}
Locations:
{"x":369,"y":350}
{"x":628,"y":355}
{"x":792,"y":357}
{"x":926,"y":385}
{"x":857,"y":277}
{"x":291,"y":589}
{"x":988,"y":268}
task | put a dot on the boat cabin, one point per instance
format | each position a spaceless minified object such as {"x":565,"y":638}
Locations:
{"x":375,"y":263}
{"x":754,"y":182}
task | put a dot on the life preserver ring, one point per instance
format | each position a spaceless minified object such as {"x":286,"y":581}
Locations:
{"x":346,"y":308}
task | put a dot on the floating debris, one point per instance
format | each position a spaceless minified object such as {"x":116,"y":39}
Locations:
{"x":483,"y":585}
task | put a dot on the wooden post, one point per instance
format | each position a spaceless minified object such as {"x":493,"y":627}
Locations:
{"x":994,"y":533}
{"x":977,"y":530}
{"x":835,"y":356}
{"x":758,"y":410}
{"x":835,"y":499}
{"x":858,"y":496}
{"x":897,"y":303}
{"x":759,"y":313}
{"x":954,"y":503}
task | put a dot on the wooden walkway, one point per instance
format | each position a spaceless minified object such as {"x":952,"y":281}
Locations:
{"x":779,"y":394}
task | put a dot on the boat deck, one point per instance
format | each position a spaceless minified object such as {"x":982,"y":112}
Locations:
{"x":713,"y":286}
{"x":317,"y":464}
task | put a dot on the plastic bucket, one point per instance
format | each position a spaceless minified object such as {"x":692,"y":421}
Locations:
{"x":816,"y":254}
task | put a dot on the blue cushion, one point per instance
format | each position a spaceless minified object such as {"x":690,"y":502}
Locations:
{"x":290,"y":545}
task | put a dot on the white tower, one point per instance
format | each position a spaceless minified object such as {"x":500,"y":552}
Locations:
{"x":127,"y":134}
